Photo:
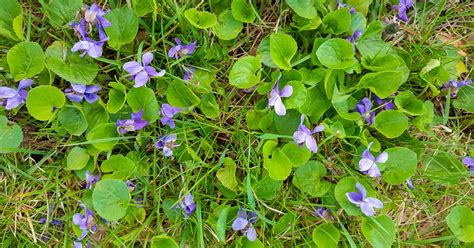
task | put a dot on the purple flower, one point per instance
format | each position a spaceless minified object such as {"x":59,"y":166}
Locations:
{"x":354,"y":37}
{"x":364,"y":108}
{"x":167,"y":143}
{"x":187,"y":204}
{"x":87,"y":45}
{"x":179,"y":50}
{"x":91,"y":179}
{"x":95,"y":15}
{"x":360,"y":199}
{"x":276,"y":95}
{"x":470,"y":163}
{"x":324,"y":213}
{"x":245,"y":225}
{"x":134,"y":124}
{"x":188,"y":73}
{"x":386,"y":104}
{"x":342,"y":5}
{"x":78,"y":244}
{"x":11,"y":98}
{"x":410,"y":184}
{"x":141,"y":73}
{"x":168,"y":112}
{"x":368,"y":163}
{"x":131,"y":186}
{"x":85,"y":222}
{"x":402,"y":8}
{"x":455,"y":85}
{"x":304,"y":135}
{"x":80,"y":91}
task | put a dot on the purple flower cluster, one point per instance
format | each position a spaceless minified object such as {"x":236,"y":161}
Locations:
{"x":11,"y":98}
{"x":93,"y":15}
{"x":305,"y":136}
{"x":455,"y":85}
{"x":244,"y":224}
{"x":136,"y":123}
{"x":368,"y":163}
{"x":79,"y":92}
{"x":360,"y":199}
{"x":364,"y":107}
{"x":142,"y":72}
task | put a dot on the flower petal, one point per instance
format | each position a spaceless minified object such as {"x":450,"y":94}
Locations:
{"x":79,"y":88}
{"x":279,"y":107}
{"x":299,"y":137}
{"x":239,"y":224}
{"x":365,"y":164}
{"x":251,"y":234}
{"x":311,"y":144}
{"x":367,"y":209}
{"x":6,"y":92}
{"x":141,"y":79}
{"x":147,"y":58}
{"x":132,"y":67}
{"x":354,"y":197}
{"x":91,"y":98}
{"x":382,"y":158}
{"x":25,"y":83}
{"x":287,"y":91}
{"x":375,"y":202}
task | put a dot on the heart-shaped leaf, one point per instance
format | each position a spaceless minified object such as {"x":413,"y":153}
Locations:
{"x":282,"y":49}
{"x":11,"y":136}
{"x":245,"y":73}
{"x":111,"y":199}
{"x":25,"y":59}
{"x":336,"y":53}
{"x":200,"y":19}
{"x":43,"y":101}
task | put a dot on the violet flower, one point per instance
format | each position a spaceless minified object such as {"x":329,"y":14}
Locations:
{"x":78,"y":244}
{"x":91,"y":179}
{"x":455,"y":85}
{"x":368,"y":163}
{"x":136,"y":123}
{"x":343,"y":5}
{"x":410,"y":184}
{"x":168,"y":112}
{"x":141,"y":73}
{"x":85,"y":222}
{"x":53,"y":221}
{"x":167,"y":143}
{"x":11,"y":98}
{"x":364,"y":108}
{"x":276,"y":96}
{"x":188,"y":73}
{"x":402,"y":8}
{"x":360,"y":199}
{"x":245,"y":225}
{"x":95,"y":15}
{"x":87,"y":45}
{"x":386,"y":104}
{"x":470,"y":163}
{"x":305,"y":136}
{"x":324,"y":213}
{"x":187,"y":204}
{"x":353,"y":38}
{"x":80,"y":91}
{"x":179,"y":50}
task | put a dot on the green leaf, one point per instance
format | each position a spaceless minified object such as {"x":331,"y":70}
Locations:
{"x":263,"y":52}
{"x":383,"y":84}
{"x":226,"y":175}
{"x":117,"y":167}
{"x":143,"y":7}
{"x":282,"y":49}
{"x":307,"y":178}
{"x":336,"y":53}
{"x":371,"y":48}
{"x":200,"y":19}
{"x":303,"y":8}
{"x":298,"y":98}
{"x":70,"y":66}
{"x":346,"y":185}
{"x":391,"y":123}
{"x":245,"y":73}
{"x":222,"y":224}
{"x":61,"y":12}
{"x":43,"y":101}
{"x":460,"y":221}
{"x":338,"y":21}
{"x":426,"y":117}
{"x":407,"y":102}
{"x":242,"y":11}
{"x":179,"y":95}
{"x":315,"y":97}
{"x":287,"y":124}
{"x":227,"y":28}
{"x":77,"y":158}
{"x":144,"y":98}
{"x":123,"y":28}
{"x":345,"y":106}
{"x":95,"y":114}
{"x":275,"y":161}
{"x":326,"y":236}
{"x":209,"y":106}
{"x":163,"y":241}
{"x":444,"y":169}
{"x":11,"y":15}
{"x":379,"y":231}
{"x":465,"y":99}
{"x":111,"y":199}
{"x":400,"y":166}
{"x":267,"y":188}
{"x":11,"y":136}
{"x":73,"y":120}
{"x":117,"y":97}
{"x":297,"y":155}
{"x":358,"y":22}
{"x":25,"y":59}
{"x":103,"y":136}
{"x":362,"y":6}
{"x":303,"y":24}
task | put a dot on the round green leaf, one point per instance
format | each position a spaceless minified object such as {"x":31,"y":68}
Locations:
{"x":70,"y":66}
{"x":282,"y":49}
{"x":400,"y":166}
{"x":117,"y":97}
{"x":245,"y":73}
{"x":200,"y":19}
{"x":379,"y":231}
{"x":73,"y":120}
{"x":60,"y":12}
{"x":144,"y":98}
{"x":43,"y":101}
{"x":163,"y":241}
{"x":298,"y":98}
{"x":25,"y":59}
{"x":263,"y":52}
{"x":123,"y":28}
{"x":303,"y":8}
{"x":11,"y":14}
{"x":336,"y":54}
{"x":209,"y":106}
{"x":297,"y":155}
{"x":465,"y":99}
{"x":11,"y":136}
{"x":242,"y":11}
{"x":287,"y":124}
{"x":179,"y":95}
{"x":460,"y":221}
{"x":278,"y":165}
{"x":227,"y":28}
{"x":307,"y":178}
{"x":346,"y":185}
{"x":326,"y":236}
{"x":117,"y":167}
{"x":444,"y":169}
{"x":391,"y":123}
{"x":267,"y":188}
{"x":315,"y":97}
{"x":103,"y":136}
{"x":383,"y":84}
{"x":226,"y":175}
{"x":95,"y":113}
{"x":77,"y":158}
{"x":338,"y":21}
{"x":111,"y":199}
